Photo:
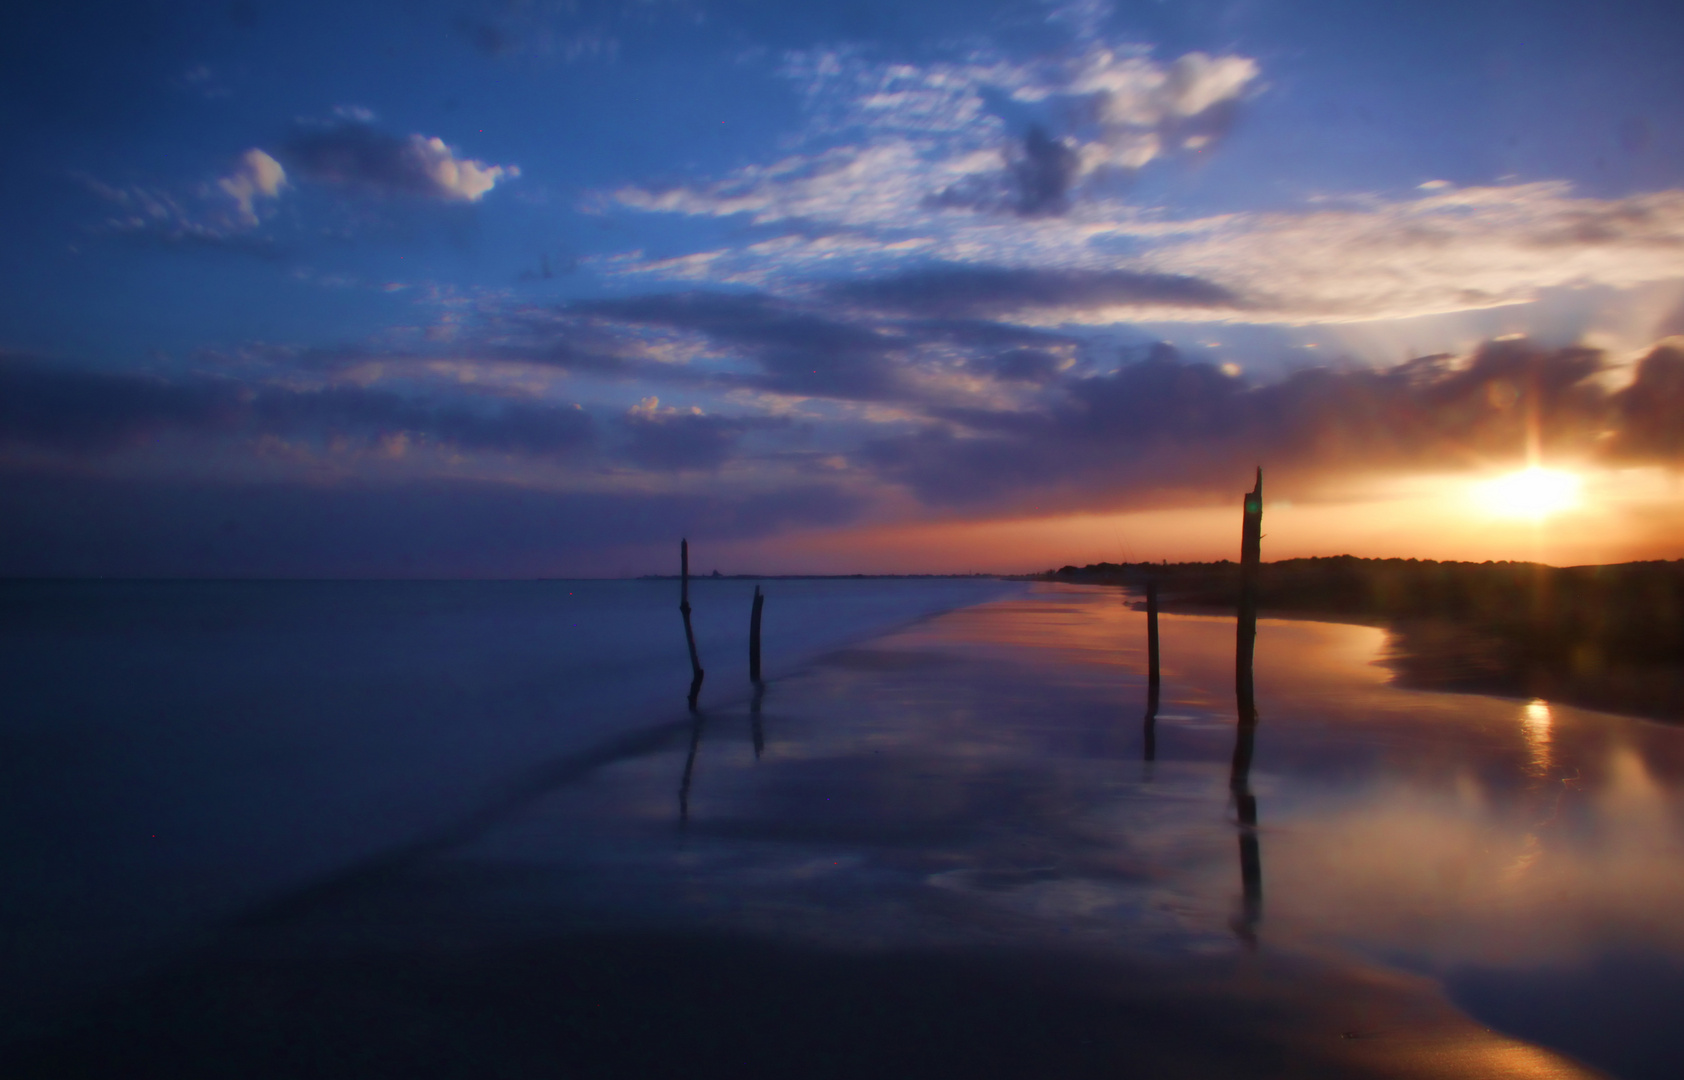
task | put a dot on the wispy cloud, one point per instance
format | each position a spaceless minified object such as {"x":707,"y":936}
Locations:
{"x":1358,"y":259}
{"x":222,"y":213}
{"x":1002,"y":293}
{"x":1447,"y":251}
{"x":922,"y":139}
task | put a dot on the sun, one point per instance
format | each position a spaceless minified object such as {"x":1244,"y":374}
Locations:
{"x":1533,"y":493}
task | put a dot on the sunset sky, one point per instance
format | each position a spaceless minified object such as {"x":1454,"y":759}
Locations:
{"x":446,"y":287}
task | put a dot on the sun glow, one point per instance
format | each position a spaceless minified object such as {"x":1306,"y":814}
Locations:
{"x":1533,"y":493}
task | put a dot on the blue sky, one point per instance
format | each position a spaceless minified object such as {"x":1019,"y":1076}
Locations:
{"x":533,"y":287}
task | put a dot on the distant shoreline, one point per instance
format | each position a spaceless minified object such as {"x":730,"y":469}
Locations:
{"x":813,"y":577}
{"x":1602,"y":637}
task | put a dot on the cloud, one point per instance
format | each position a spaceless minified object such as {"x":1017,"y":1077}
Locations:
{"x":1022,"y":365}
{"x":1036,"y":426}
{"x":1161,"y":424}
{"x":796,"y":350}
{"x":1143,"y":109}
{"x":1445,"y":251}
{"x":1043,"y":174}
{"x":1651,"y":409}
{"x":71,"y":526}
{"x":821,"y":346}
{"x":1362,"y":258}
{"x":888,"y":182}
{"x":222,"y":214}
{"x":93,"y":412}
{"x":671,"y":440}
{"x":1002,"y":293}
{"x":925,"y":139}
{"x":257,"y":176}
{"x":356,"y":155}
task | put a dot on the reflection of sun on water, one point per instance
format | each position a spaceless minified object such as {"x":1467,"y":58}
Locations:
{"x":1533,"y":493}
{"x":1535,"y":724}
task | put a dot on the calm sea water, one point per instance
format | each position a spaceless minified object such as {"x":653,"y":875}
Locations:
{"x":956,"y":848}
{"x":172,"y":753}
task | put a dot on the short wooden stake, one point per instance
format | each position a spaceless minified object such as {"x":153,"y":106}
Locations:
{"x":696,"y":671}
{"x":754,"y":636}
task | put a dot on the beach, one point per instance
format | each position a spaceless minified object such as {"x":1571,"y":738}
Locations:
{"x":966,"y":847}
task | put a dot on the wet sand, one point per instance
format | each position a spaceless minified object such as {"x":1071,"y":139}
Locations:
{"x":945,"y":853}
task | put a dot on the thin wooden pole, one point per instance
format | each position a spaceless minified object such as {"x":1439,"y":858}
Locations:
{"x":754,"y":637}
{"x":1239,"y":777}
{"x":1251,"y":544}
{"x":696,"y":671}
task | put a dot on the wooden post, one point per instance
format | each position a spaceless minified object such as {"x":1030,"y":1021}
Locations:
{"x":1239,"y":777}
{"x":754,"y":637}
{"x":696,"y":671}
{"x":1251,"y":545}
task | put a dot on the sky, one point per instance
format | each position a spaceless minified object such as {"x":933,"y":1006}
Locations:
{"x":514,"y":288}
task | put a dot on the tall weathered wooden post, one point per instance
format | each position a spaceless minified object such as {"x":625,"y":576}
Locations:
{"x":754,"y":637}
{"x":1239,"y":777}
{"x":696,"y":671}
{"x":1251,"y":545}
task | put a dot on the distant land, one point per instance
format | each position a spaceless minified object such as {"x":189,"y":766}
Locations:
{"x":1604,"y":637}
{"x":717,"y":576}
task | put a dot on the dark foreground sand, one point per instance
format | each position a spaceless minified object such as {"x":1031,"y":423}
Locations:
{"x":942,"y":854}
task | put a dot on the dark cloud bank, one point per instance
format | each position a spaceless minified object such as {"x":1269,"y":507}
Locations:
{"x":74,"y":526}
{"x":1163,"y":424}
{"x":1156,"y":428}
{"x":61,"y":429}
{"x":87,"y":412}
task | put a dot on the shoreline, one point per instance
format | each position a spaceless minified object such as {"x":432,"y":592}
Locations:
{"x":1601,"y":637}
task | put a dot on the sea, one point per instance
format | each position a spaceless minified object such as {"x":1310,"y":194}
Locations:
{"x":175,"y":752}
{"x":347,"y":829}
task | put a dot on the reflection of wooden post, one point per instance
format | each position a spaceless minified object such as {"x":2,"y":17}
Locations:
{"x":1251,"y":545}
{"x":1245,"y":808}
{"x":696,"y":672}
{"x":689,"y":771}
{"x":754,"y":637}
{"x":1151,"y":668}
{"x":755,"y":728}
{"x":1152,"y":635}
